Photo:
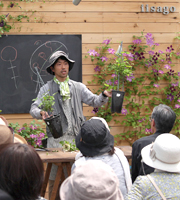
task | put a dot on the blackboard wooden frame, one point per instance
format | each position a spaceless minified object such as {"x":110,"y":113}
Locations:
{"x":23,"y":57}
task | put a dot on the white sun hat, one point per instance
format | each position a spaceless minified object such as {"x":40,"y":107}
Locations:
{"x":164,"y":153}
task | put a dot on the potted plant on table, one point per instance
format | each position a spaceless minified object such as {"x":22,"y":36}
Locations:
{"x":54,"y":121}
{"x":32,"y":133}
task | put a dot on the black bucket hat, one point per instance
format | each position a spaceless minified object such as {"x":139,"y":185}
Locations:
{"x":53,"y":59}
{"x":94,"y":138}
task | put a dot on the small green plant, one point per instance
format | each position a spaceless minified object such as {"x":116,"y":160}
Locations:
{"x":67,"y":146}
{"x":47,"y":102}
{"x":33,"y":133}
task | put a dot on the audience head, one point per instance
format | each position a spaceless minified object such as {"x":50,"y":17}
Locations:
{"x":164,"y":118}
{"x":163,"y":154}
{"x":94,"y":138}
{"x":91,"y":180}
{"x":21,"y":171}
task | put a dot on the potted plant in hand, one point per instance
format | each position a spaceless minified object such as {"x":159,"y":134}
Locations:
{"x":121,"y":69}
{"x":53,"y":122}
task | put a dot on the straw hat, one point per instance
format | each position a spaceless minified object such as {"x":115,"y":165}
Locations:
{"x":91,"y":181}
{"x":163,"y":154}
{"x":19,"y":139}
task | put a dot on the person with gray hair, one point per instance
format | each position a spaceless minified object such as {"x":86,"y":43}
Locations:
{"x":162,"y":121}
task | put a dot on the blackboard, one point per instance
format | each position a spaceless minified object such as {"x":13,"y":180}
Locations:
{"x":22,"y":58}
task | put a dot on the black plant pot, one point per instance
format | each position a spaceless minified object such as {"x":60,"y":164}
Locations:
{"x":54,"y":125}
{"x":117,"y":101}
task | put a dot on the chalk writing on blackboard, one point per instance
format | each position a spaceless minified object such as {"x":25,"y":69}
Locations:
{"x":9,"y":54}
{"x":39,"y":59}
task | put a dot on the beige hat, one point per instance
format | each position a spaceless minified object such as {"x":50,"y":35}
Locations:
{"x":19,"y":139}
{"x":6,"y":135}
{"x":92,"y":180}
{"x":163,"y":154}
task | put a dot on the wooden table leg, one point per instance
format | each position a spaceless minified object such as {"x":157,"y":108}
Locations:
{"x":68,"y":167}
{"x":56,"y":182}
{"x":44,"y":186}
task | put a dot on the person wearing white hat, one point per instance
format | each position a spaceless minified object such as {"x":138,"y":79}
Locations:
{"x":162,"y":121}
{"x":164,"y":182}
{"x":92,"y":180}
{"x":69,"y":96}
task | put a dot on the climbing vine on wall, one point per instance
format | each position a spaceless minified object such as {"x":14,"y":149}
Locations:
{"x":153,"y":81}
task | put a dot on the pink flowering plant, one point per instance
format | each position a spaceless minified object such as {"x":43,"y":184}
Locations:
{"x":33,"y":133}
{"x":154,"y":80}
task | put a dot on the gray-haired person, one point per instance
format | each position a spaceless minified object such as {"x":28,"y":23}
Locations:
{"x":162,"y":121}
{"x":68,"y":101}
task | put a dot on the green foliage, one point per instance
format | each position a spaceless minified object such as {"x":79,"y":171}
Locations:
{"x":67,"y":146}
{"x":33,"y":133}
{"x":47,"y":102}
{"x":153,"y":82}
{"x":5,"y":27}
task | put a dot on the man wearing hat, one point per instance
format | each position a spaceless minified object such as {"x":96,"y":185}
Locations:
{"x":68,"y":99}
{"x":162,"y":121}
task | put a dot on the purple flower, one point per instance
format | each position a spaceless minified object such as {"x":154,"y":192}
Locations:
{"x":160,"y":52}
{"x":170,"y":97}
{"x":178,"y":73}
{"x":129,"y":78}
{"x":172,"y":89}
{"x":175,"y":84}
{"x":39,"y":142}
{"x":95,"y":110}
{"x":11,"y":5}
{"x":169,"y":62}
{"x":92,"y":52}
{"x":113,"y":75}
{"x":169,"y":49}
{"x":171,"y":72}
{"x":110,"y":50}
{"x":41,"y":135}
{"x":162,"y":60}
{"x":157,"y":44}
{"x":124,"y":111}
{"x":161,"y":72}
{"x":2,"y":23}
{"x":148,"y":130}
{"x":33,"y":136}
{"x":104,"y":58}
{"x":177,"y":106}
{"x":178,"y":100}
{"x":141,"y":120}
{"x":97,"y":69}
{"x":116,"y":82}
{"x":137,"y":41}
{"x":156,"y":85}
{"x":155,"y":70}
{"x":106,"y":41}
{"x":148,"y":35}
{"x":151,"y":52}
{"x":7,"y":15}
{"x":178,"y":53}
{"x":167,"y":66}
{"x":149,"y":42}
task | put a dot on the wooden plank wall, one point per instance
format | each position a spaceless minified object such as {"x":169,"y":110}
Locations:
{"x":97,"y":20}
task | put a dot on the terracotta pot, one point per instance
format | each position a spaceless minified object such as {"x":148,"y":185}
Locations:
{"x":117,"y":101}
{"x":54,"y":125}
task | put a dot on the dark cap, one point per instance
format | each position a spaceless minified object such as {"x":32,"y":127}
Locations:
{"x":54,"y":57}
{"x":94,"y":138}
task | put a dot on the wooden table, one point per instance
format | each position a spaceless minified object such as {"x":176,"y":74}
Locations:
{"x":62,"y":159}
